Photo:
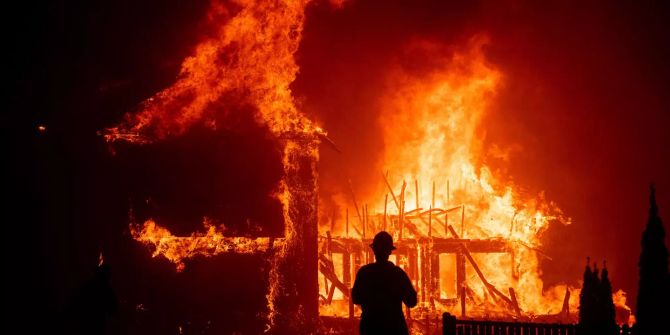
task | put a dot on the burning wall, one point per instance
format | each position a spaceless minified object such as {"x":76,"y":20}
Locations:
{"x":248,"y":63}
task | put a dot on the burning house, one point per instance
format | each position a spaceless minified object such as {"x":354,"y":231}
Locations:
{"x":469,"y":242}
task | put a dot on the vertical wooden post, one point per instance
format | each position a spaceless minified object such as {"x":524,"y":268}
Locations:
{"x":346,"y":268}
{"x":357,"y":261}
{"x":424,"y":282}
{"x":462,"y":301}
{"x":430,"y":222}
{"x":446,"y":222}
{"x":368,"y":221}
{"x":402,"y":220}
{"x":347,"y":221}
{"x":460,"y":279}
{"x":401,"y":215}
{"x":365,"y":220}
{"x":386,"y":199}
{"x":435,"y":275}
{"x":416,"y":191}
{"x":515,"y":303}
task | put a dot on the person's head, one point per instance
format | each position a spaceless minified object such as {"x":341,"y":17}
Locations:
{"x":382,"y":245}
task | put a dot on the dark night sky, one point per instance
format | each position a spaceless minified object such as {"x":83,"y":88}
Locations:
{"x":585,"y":99}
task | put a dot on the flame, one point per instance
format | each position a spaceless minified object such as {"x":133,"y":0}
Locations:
{"x":210,"y":243}
{"x":431,"y":125}
{"x":623,"y":313}
{"x":251,"y":57}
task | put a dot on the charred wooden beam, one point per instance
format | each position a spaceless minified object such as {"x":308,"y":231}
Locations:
{"x":460,"y":275}
{"x":346,"y":269}
{"x":494,"y":292}
{"x":395,"y":200}
{"x":515,"y":303}
{"x":327,"y":268}
{"x":440,"y":245}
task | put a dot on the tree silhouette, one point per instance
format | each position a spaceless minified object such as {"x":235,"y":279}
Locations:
{"x":652,"y":299}
{"x":596,"y":307}
{"x":587,"y":301}
{"x":607,"y":320}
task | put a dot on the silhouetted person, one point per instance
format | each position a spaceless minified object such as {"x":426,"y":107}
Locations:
{"x":94,"y":303}
{"x":380,"y":289}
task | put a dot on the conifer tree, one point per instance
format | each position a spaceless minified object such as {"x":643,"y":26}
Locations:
{"x":607,"y":312}
{"x":586,"y":302}
{"x":652,"y":299}
{"x":596,"y":302}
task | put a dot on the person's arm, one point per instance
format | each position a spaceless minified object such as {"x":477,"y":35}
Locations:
{"x":408,"y":292}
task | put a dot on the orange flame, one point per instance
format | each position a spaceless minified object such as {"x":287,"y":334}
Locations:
{"x":623,"y":313}
{"x":432,"y":133}
{"x":250,"y":57}
{"x":211,"y":242}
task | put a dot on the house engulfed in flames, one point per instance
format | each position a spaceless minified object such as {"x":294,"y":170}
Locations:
{"x":469,"y":243}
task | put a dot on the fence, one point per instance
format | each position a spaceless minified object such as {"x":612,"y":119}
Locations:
{"x":452,"y":326}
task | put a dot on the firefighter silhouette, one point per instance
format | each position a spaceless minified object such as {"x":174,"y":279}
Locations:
{"x":380,"y":289}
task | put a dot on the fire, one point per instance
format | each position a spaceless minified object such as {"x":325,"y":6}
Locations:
{"x":431,"y":129}
{"x":433,"y":147}
{"x":251,"y":57}
{"x":623,"y":312}
{"x":211,"y":242}
{"x":432,"y":132}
